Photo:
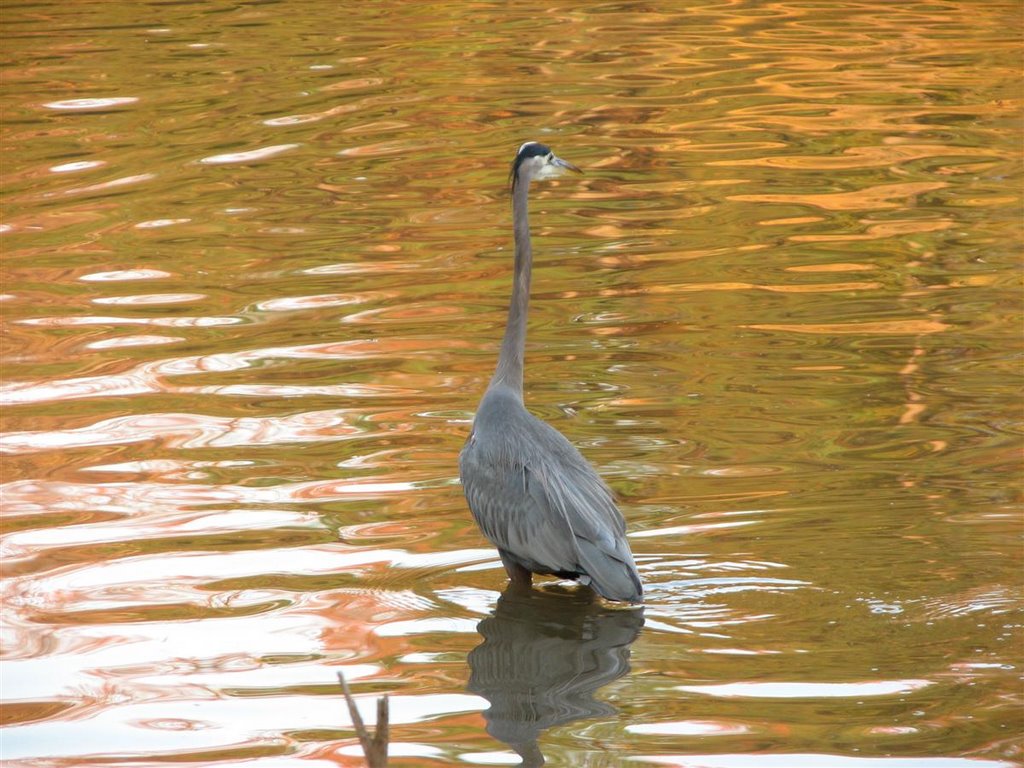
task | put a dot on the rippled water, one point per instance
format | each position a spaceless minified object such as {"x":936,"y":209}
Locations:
{"x":255,"y":265}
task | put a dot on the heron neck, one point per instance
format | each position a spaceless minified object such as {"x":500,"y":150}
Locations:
{"x":513,"y":345}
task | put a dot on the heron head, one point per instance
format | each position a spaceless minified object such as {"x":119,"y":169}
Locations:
{"x":536,"y":161}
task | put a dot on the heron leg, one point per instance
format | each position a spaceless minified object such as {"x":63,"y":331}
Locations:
{"x":517,"y":574}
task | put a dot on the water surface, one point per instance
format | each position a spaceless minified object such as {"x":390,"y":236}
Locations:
{"x":256,"y":263}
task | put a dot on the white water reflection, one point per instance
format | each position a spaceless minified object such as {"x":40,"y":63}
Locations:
{"x":80,"y":165}
{"x":38,"y":497}
{"x":700,"y":728}
{"x":28,"y":543}
{"x":808,"y":690}
{"x":118,"y":275}
{"x":150,"y":377}
{"x":133,"y":341}
{"x":192,"y":430}
{"x":104,"y":186}
{"x":252,"y":155}
{"x":183,"y":577}
{"x":215,"y":723}
{"x":150,"y":298}
{"x":169,"y":322}
{"x":160,"y":223}
{"x":794,"y":760}
{"x":93,"y":103}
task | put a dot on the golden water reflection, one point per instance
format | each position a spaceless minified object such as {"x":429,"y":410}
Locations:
{"x":255,"y":268}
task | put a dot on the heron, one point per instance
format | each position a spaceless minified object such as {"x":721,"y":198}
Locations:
{"x":531,"y":492}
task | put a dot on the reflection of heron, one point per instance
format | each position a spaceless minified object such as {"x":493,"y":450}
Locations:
{"x":532,"y":493}
{"x":543,"y":656}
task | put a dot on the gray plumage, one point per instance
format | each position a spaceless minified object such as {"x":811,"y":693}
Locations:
{"x":531,"y":492}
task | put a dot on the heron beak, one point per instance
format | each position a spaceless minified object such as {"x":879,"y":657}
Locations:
{"x":565,"y":164}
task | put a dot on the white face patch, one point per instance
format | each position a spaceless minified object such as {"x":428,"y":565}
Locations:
{"x":547,"y":169}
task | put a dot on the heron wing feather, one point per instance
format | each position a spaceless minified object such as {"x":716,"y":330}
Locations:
{"x":541,"y":502}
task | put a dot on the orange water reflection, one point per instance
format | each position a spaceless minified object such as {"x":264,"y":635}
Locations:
{"x":255,"y":270}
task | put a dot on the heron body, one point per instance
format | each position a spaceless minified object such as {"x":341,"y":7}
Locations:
{"x":531,"y":492}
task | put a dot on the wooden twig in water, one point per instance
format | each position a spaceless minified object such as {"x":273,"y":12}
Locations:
{"x":375,"y":747}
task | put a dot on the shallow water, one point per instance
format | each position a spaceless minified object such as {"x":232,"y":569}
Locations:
{"x":256,"y":263}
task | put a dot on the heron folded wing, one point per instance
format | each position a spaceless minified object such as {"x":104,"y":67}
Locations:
{"x":539,"y":501}
{"x":576,"y":494}
{"x":503,"y":500}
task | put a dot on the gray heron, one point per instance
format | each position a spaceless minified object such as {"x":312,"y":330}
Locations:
{"x":531,"y":492}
